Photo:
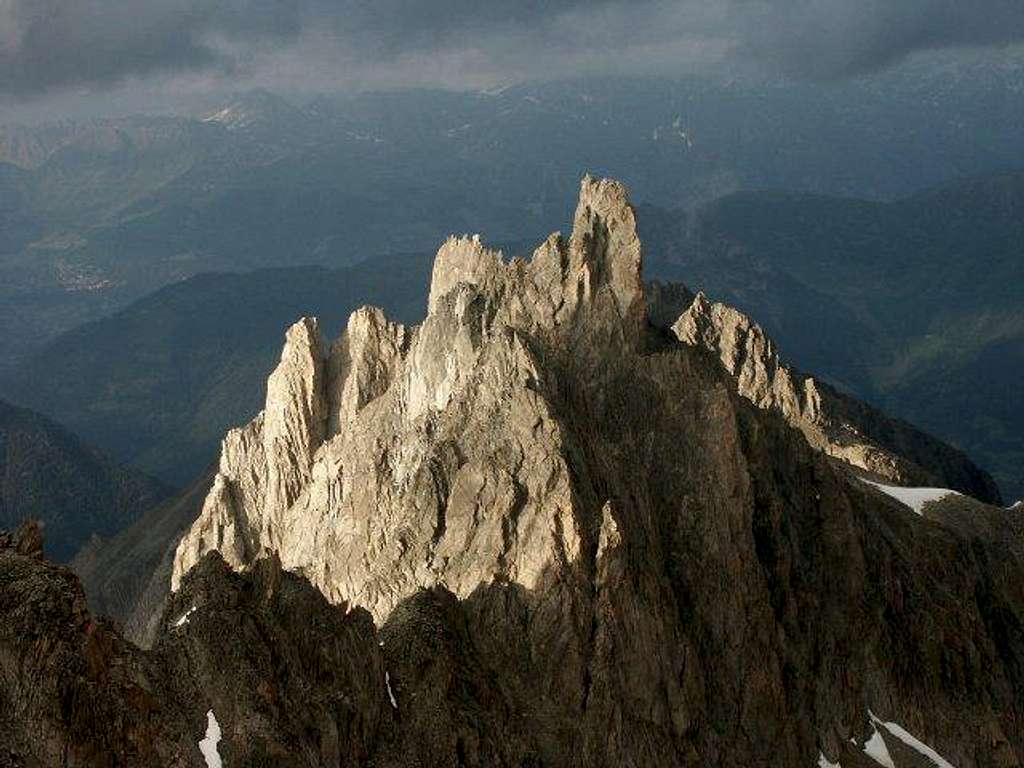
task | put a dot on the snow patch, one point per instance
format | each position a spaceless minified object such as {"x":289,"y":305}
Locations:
{"x":824,"y":762}
{"x":875,"y":748}
{"x":233,"y":118}
{"x":915,"y":498}
{"x":183,"y":619}
{"x":391,"y":695}
{"x":915,"y":744}
{"x":208,"y":745}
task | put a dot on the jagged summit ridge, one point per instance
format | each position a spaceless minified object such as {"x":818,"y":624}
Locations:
{"x":595,"y":276}
{"x":344,"y":472}
{"x":407,"y":457}
{"x":833,"y":423}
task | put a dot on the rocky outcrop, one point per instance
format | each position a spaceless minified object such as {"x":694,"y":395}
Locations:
{"x":586,"y":546}
{"x":832,"y":422}
{"x":433,"y":455}
{"x":72,"y":692}
{"x":429,"y":455}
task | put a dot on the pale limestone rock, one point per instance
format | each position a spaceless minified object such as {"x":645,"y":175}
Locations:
{"x":411,"y":458}
{"x":608,"y":536}
{"x":265,"y":465}
{"x":745,"y":351}
{"x":464,"y":260}
{"x":219,"y":527}
{"x":294,"y":421}
{"x":605,"y":250}
{"x":362,"y":364}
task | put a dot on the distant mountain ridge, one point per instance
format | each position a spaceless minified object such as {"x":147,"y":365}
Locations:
{"x":159,"y":382}
{"x":48,"y":474}
{"x":121,"y":207}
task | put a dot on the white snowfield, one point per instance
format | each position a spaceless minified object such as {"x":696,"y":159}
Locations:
{"x":208,"y":745}
{"x":915,"y":498}
{"x":391,"y":695}
{"x":183,"y":619}
{"x":876,"y":749}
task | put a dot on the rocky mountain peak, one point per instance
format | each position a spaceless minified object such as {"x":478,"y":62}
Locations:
{"x":589,"y":284}
{"x":363,"y":363}
{"x":605,"y":236}
{"x":579,"y":540}
{"x":464,"y":260}
{"x":363,"y":424}
{"x":430,"y":426}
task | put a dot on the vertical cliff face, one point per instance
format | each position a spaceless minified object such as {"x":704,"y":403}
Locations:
{"x":587,"y":542}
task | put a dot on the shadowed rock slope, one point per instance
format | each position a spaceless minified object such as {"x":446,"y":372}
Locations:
{"x":127,"y":577}
{"x":831,"y":421}
{"x":582,"y":547}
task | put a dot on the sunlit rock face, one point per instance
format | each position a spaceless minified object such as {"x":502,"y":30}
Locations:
{"x":409,"y":457}
{"x":599,"y":524}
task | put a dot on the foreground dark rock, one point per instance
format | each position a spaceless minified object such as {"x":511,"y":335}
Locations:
{"x":265,"y":652}
{"x":582,"y":546}
{"x":921,"y":626}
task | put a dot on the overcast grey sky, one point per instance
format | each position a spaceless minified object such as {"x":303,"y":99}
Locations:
{"x":54,"y":50}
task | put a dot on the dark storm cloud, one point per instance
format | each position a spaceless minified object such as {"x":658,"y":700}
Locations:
{"x":829,"y":39}
{"x":47,"y":45}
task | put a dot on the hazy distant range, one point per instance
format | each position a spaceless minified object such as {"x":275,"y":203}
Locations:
{"x":95,"y":216}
